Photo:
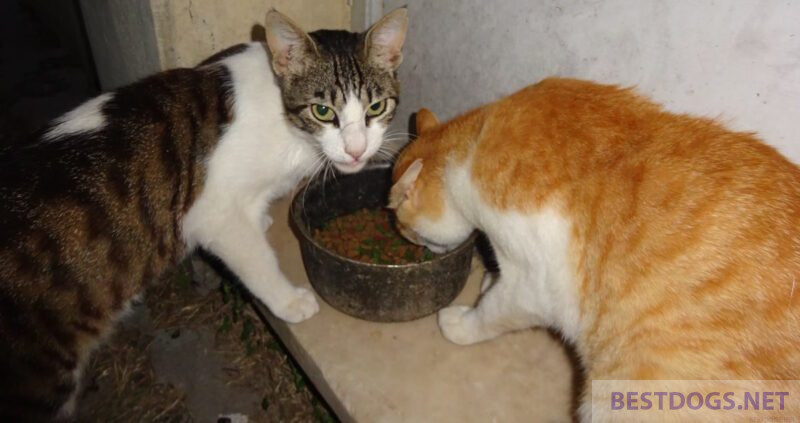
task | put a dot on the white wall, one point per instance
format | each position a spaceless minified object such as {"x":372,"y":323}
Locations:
{"x":734,"y":59}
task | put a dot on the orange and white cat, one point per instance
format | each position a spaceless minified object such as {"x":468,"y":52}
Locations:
{"x":663,"y":246}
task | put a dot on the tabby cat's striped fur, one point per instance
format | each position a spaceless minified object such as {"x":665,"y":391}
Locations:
{"x":115,"y":192}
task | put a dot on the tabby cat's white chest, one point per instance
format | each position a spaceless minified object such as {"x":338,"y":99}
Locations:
{"x":259,"y":153}
{"x":258,"y":158}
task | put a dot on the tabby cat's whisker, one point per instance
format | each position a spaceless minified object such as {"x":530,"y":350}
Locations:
{"x":333,"y":171}
{"x":400,"y":133}
{"x":389,"y":155}
{"x":317,"y":166}
{"x":397,"y":137}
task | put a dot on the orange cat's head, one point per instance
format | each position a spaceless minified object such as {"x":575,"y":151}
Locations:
{"x":426,"y":213}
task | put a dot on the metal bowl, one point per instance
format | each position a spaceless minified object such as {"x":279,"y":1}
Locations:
{"x":376,"y":292}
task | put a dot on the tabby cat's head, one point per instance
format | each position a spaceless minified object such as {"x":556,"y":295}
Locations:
{"x":339,"y":86}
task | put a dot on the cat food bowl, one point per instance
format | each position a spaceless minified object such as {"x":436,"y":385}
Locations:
{"x":371,"y":291}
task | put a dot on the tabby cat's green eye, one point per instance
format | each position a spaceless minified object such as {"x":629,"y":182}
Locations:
{"x":376,"y":108}
{"x":323,"y":113}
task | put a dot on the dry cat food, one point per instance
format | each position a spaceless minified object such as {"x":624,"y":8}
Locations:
{"x":367,"y":235}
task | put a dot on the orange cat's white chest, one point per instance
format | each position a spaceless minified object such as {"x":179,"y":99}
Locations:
{"x":532,"y":250}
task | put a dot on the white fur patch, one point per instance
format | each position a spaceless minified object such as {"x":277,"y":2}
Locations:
{"x":259,"y":158}
{"x":87,"y":117}
{"x":532,"y":249}
{"x":537,"y":246}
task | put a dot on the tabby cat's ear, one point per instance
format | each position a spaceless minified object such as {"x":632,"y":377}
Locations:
{"x":292,"y":49}
{"x":384,"y":40}
{"x":425,"y":121}
{"x":404,"y":184}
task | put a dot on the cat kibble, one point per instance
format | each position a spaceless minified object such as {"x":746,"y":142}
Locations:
{"x":368,"y":235}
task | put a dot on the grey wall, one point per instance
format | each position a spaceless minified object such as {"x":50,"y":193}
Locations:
{"x":123,"y":40}
{"x":737,"y":60}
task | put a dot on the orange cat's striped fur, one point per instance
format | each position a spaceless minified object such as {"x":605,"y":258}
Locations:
{"x":663,"y":246}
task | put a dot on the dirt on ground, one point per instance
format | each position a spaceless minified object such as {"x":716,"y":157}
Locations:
{"x":121,"y":383}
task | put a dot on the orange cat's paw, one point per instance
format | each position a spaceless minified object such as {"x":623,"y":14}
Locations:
{"x":457,"y":325}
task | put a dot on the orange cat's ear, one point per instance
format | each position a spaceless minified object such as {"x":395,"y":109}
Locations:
{"x":425,"y":121}
{"x":404,"y":185}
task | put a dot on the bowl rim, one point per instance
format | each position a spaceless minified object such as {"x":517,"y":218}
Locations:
{"x":300,"y":225}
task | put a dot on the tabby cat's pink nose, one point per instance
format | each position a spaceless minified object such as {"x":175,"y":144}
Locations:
{"x":355,"y":151}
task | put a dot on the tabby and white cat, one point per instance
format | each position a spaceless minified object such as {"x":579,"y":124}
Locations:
{"x":663,"y":246}
{"x":119,"y":189}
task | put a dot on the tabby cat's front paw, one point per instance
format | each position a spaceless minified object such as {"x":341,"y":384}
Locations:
{"x":298,"y":307}
{"x":458,"y":325}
